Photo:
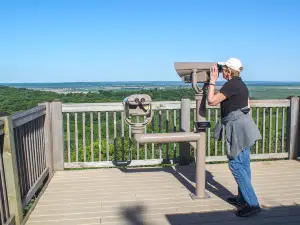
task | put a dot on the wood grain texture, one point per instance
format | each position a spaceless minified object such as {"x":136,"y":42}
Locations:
{"x":11,"y":170}
{"x":58,"y":135}
{"x":11,"y":221}
{"x":4,"y":208}
{"x":161,"y":196}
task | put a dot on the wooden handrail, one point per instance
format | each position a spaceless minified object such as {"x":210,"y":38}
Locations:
{"x":161,"y":105}
{"x":28,"y":115}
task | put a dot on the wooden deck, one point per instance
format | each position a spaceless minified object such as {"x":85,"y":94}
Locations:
{"x":160,"y":196}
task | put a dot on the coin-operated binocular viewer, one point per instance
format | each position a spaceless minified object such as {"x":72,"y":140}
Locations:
{"x":195,"y":73}
{"x":135,"y":106}
{"x":140,"y":105}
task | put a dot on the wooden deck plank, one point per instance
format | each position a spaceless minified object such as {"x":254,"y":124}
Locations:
{"x":289,"y":181}
{"x":98,"y":174}
{"x":261,"y":166}
{"x":166,"y":178}
{"x":152,"y":196}
{"x":151,"y":174}
{"x":155,"y":183}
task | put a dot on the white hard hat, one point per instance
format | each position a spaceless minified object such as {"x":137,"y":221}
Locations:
{"x":233,"y":63}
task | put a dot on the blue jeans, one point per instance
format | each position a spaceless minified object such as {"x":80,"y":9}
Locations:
{"x":240,"y":169}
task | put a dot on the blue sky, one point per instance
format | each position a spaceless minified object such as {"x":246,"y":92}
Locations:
{"x":131,"y":40}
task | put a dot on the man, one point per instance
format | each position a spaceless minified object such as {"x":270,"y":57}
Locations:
{"x":241,"y":131}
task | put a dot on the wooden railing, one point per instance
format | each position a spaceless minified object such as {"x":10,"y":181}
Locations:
{"x":95,"y":134}
{"x":6,"y":218}
{"x":30,"y":150}
{"x":271,"y":117}
{"x":25,"y":150}
{"x":103,"y":125}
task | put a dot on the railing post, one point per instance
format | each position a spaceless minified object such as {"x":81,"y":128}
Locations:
{"x":184,"y":148}
{"x":11,"y":171}
{"x":58,"y":136}
{"x":293,"y":128}
{"x":48,"y":139}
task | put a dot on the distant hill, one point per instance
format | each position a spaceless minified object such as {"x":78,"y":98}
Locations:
{"x":17,"y":99}
{"x":133,"y":83}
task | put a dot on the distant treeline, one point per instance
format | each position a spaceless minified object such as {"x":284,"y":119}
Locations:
{"x":13,"y":100}
{"x":18,"y":99}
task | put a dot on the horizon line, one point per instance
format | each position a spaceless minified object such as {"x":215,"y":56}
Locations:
{"x":134,"y":81}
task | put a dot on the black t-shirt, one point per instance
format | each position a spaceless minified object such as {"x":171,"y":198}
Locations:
{"x":237,"y":95}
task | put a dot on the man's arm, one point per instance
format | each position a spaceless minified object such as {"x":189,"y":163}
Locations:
{"x":212,"y":98}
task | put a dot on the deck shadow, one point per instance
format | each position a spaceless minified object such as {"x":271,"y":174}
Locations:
{"x":186,"y":175}
{"x":268,"y":216}
{"x":275,"y":215}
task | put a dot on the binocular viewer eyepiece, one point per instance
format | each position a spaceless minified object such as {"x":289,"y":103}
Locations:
{"x":200,"y":71}
{"x":136,"y":106}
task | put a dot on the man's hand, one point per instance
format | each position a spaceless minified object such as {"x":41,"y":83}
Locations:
{"x":214,"y":73}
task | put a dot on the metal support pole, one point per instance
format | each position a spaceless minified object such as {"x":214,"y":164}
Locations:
{"x":167,"y":137}
{"x":200,"y":172}
{"x":184,"y":148}
{"x":201,"y":148}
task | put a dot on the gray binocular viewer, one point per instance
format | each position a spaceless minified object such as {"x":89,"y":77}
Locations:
{"x":194,"y":72}
{"x":135,"y":106}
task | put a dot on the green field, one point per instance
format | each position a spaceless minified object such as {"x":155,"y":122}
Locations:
{"x":258,"y":92}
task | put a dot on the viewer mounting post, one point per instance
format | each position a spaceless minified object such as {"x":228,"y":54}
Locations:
{"x":185,"y":124}
{"x":194,"y":73}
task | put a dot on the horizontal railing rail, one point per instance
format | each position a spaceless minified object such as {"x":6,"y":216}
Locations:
{"x":265,"y":103}
{"x":6,"y":218}
{"x":28,"y":115}
{"x":95,"y":133}
{"x":160,"y":105}
{"x":30,"y":150}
